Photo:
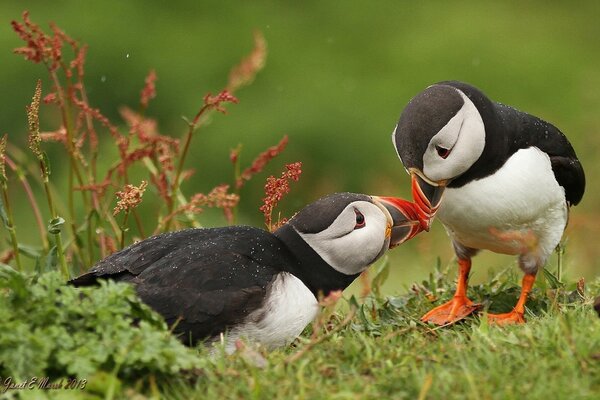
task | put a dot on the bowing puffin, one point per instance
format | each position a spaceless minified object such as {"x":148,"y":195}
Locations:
{"x":246,"y":282}
{"x":498,"y":179}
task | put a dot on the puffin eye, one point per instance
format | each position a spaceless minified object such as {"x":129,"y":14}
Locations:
{"x":442,"y":151}
{"x":360,"y":220}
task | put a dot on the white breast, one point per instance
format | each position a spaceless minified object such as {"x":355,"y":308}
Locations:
{"x":289,"y":307}
{"x":519,"y":209}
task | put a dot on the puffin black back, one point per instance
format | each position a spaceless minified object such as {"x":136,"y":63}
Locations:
{"x":201,"y":279}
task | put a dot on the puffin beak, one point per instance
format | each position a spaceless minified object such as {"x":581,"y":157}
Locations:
{"x":427,"y":196}
{"x":403,"y":216}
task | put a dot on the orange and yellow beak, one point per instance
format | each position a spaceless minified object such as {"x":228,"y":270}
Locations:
{"x":427,"y":196}
{"x":404,"y":224}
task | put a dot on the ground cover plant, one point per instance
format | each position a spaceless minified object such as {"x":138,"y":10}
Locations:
{"x":104,"y":343}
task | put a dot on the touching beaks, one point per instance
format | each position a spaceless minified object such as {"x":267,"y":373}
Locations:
{"x":427,"y":196}
{"x":405,"y":223}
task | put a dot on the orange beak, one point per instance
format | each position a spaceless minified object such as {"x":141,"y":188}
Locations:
{"x":405,"y":222}
{"x":427,"y":196}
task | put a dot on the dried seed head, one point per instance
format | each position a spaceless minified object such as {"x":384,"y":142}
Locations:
{"x":277,"y":188}
{"x":259,"y":162}
{"x":219,"y":198}
{"x":215,"y":102}
{"x":33,"y":120}
{"x":3,"y":157}
{"x":149,"y":90}
{"x":244,"y":73}
{"x":234,"y":154}
{"x":130,"y":197}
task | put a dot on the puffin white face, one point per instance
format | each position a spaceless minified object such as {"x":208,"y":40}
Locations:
{"x":456,"y":147}
{"x":355,"y":239}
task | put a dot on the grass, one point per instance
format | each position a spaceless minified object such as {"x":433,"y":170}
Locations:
{"x":370,"y":348}
{"x":386,"y":352}
{"x":551,"y":357}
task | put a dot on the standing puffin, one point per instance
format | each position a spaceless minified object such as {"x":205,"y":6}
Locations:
{"x":498,"y":179}
{"x":247,"y":282}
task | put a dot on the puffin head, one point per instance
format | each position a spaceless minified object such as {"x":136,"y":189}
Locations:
{"x":351,"y":231}
{"x":439,"y":136}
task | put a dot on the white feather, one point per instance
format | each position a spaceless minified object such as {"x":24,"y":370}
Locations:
{"x":289,"y":307}
{"x":520,"y":209}
{"x":464,"y":136}
{"x":350,"y":250}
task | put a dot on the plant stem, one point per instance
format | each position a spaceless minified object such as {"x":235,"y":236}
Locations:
{"x":138,"y":223}
{"x":92,"y":174}
{"x":123,"y":229}
{"x":316,"y":340}
{"x":32,"y":201}
{"x":192,"y":126}
{"x":559,"y":267}
{"x":65,"y":102}
{"x":57,"y":238}
{"x":11,"y":226}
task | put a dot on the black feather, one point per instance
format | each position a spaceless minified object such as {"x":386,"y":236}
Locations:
{"x":508,"y":130}
{"x":203,"y":280}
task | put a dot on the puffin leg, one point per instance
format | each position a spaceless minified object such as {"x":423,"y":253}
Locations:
{"x":460,"y":306}
{"x":516,"y":316}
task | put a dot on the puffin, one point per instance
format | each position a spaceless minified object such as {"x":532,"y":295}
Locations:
{"x":497,"y":178}
{"x":228,"y":283}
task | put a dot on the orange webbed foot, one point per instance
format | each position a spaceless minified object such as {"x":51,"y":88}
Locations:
{"x":453,"y":311}
{"x":509,"y":318}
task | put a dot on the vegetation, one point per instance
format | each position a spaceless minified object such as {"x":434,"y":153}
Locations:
{"x":375,"y":348}
{"x":83,"y":186}
{"x":90,"y":336}
{"x":90,"y":218}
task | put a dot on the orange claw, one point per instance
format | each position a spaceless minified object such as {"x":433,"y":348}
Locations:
{"x":453,"y":311}
{"x":516,"y":316}
{"x":508,"y":318}
{"x":460,"y":306}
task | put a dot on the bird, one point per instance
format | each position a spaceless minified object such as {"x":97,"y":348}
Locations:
{"x":234,"y":282}
{"x":497,"y":178}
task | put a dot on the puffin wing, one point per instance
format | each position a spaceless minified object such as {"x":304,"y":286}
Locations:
{"x":201,"y":280}
{"x":126,"y":264}
{"x":528,"y":130}
{"x":207,"y":296}
{"x":569,"y":174}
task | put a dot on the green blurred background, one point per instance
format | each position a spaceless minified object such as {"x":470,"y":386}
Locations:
{"x":336,"y":79}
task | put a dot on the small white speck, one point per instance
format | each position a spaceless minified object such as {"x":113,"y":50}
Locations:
{"x":127,"y":55}
{"x":103,"y":78}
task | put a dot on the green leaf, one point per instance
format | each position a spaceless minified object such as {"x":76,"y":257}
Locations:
{"x":552,"y":279}
{"x":30,"y":251}
{"x":52,"y":258}
{"x":13,"y":280}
